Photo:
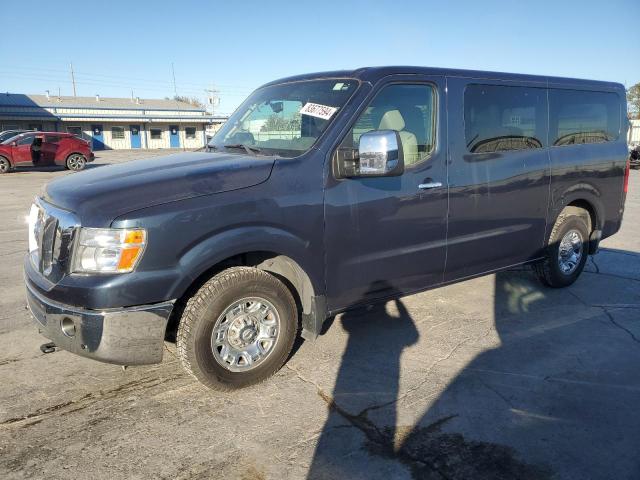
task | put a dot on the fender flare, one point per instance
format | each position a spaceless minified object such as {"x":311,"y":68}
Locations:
{"x":285,"y":254}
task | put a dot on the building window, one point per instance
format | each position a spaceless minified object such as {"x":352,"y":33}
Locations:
{"x":190,"y":132}
{"x":117,"y":133}
{"x":498,"y":119}
{"x":77,"y":131}
{"x":156,"y":134}
{"x":577,"y":117}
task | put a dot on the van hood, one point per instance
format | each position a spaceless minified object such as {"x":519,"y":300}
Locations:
{"x":102,"y":193}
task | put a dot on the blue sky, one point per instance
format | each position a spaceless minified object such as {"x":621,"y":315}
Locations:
{"x":236,"y":46}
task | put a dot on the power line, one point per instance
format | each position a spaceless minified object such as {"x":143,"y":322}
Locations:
{"x":127,"y":86}
{"x":138,"y":80}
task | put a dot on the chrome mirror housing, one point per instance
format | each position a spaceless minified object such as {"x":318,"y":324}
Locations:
{"x":380,"y":154}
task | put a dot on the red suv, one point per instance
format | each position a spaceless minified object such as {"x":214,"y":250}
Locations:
{"x":44,"y":148}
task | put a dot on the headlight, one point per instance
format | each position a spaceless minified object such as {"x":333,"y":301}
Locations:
{"x":104,"y":250}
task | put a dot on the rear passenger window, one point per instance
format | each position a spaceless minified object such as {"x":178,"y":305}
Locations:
{"x":407,"y":109}
{"x":498,"y":118}
{"x":579,"y":117}
{"x":52,"y":139}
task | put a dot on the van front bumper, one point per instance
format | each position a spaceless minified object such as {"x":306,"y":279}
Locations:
{"x":124,"y":336}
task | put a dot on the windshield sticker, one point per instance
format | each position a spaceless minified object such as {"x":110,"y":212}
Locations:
{"x":340,"y":86}
{"x":316,"y":110}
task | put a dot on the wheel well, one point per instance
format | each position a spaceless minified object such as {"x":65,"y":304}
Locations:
{"x":284,"y":268}
{"x":75,"y":153}
{"x":588,"y":208}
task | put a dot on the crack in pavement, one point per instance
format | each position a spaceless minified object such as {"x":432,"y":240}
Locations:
{"x":383,"y":439}
{"x":622,"y":327}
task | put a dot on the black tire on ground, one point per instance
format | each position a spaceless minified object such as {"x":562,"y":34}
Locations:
{"x":75,"y":162}
{"x":194,"y":337}
{"x":5,"y":165}
{"x":571,"y":219}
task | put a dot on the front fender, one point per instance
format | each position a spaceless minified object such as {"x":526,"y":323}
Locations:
{"x":248,"y":239}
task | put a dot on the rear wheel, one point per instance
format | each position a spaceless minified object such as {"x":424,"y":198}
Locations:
{"x":5,"y":166}
{"x":568,"y":248}
{"x":76,"y":162}
{"x":238,"y":329}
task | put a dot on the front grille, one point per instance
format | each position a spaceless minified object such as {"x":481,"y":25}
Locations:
{"x":53,"y":233}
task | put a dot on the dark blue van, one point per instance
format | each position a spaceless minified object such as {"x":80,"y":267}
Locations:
{"x":323,"y":192}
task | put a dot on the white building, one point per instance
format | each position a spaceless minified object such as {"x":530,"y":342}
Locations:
{"x":634,"y":131}
{"x":111,"y":123}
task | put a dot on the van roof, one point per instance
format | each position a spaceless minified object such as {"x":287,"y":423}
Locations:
{"x":373,"y":74}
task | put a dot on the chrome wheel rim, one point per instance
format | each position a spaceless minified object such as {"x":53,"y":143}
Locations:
{"x":570,"y":252}
{"x":245,"y":334}
{"x":76,"y":162}
{"x":4,"y":165}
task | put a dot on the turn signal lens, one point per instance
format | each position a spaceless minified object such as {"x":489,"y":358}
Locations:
{"x":108,"y":250}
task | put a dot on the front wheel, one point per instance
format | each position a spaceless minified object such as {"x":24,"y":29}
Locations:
{"x":567,"y":250}
{"x":238,"y":329}
{"x":5,"y":166}
{"x":76,"y":162}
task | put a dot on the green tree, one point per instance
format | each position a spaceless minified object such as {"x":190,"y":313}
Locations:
{"x":633,"y":101}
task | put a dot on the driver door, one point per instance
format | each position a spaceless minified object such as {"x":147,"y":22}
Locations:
{"x":386,"y":236}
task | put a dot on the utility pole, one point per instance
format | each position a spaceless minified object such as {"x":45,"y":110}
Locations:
{"x":175,"y":92}
{"x":212,"y":98}
{"x":73,"y":80}
{"x":173,"y":71}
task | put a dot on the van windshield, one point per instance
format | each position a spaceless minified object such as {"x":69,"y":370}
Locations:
{"x":284,"y":120}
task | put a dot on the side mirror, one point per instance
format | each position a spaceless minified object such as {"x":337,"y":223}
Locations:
{"x":380,"y":154}
{"x":14,"y":144}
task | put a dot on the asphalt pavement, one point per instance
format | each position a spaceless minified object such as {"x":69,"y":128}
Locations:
{"x":497,"y":377}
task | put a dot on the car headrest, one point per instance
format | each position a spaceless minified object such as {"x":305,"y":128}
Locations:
{"x":391,"y":120}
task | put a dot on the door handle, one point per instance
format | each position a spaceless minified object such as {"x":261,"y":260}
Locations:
{"x":428,"y":185}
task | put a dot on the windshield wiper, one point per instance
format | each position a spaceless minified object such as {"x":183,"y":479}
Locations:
{"x":251,"y":150}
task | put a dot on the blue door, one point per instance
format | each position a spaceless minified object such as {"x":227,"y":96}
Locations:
{"x":174,"y":136}
{"x":135,"y":136}
{"x":98,"y":137}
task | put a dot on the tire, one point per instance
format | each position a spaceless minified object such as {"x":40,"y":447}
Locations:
{"x":5,"y":165}
{"x":558,"y":270}
{"x":75,"y":162}
{"x":228,"y":302}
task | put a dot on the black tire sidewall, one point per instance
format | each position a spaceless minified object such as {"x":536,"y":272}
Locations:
{"x":199,"y":347}
{"x":572,"y":222}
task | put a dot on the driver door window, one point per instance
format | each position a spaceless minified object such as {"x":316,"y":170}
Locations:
{"x":407,"y":109}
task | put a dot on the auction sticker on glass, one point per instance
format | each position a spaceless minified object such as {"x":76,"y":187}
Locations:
{"x":316,"y":110}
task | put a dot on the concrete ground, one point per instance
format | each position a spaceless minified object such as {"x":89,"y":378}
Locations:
{"x":496,"y":377}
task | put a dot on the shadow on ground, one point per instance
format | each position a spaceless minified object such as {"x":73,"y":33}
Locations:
{"x":556,"y":398}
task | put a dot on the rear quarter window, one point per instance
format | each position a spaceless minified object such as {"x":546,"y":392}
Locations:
{"x":583,"y":117}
